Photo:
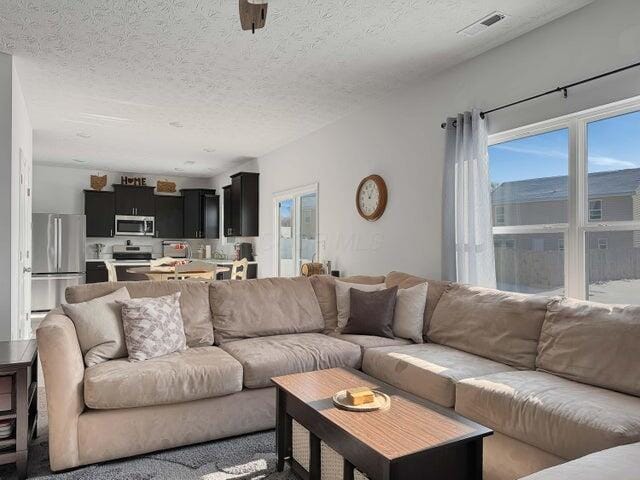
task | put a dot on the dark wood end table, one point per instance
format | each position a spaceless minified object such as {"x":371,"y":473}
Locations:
{"x":413,"y":439}
{"x":19,"y":360}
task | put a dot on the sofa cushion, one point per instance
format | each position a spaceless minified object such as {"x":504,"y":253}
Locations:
{"x":619,"y":463}
{"x":428,"y":370}
{"x":371,"y":313}
{"x":436,"y":289}
{"x":98,"y":324}
{"x":267,"y":357}
{"x":264,"y":307}
{"x":370,"y":341}
{"x":194,"y":302}
{"x":592,"y":343}
{"x":562,"y":417}
{"x":502,"y":326}
{"x":324,"y":287}
{"x":196,"y":373}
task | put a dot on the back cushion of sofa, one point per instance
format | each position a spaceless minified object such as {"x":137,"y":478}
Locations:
{"x":435,"y":291}
{"x":324,"y":287}
{"x":501,"y":326}
{"x":263,"y":307}
{"x":194,"y":302}
{"x":592,"y":343}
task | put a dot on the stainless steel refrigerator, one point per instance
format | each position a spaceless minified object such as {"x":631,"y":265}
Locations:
{"x":58,"y":258}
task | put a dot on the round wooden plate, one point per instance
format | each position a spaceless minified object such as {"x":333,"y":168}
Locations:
{"x":381,"y":401}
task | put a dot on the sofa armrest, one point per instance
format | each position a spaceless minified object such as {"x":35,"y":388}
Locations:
{"x":63,"y":368}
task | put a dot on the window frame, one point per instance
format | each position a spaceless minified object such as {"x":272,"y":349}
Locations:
{"x":575,"y":231}
{"x":500,"y":223}
{"x":294,"y":194}
{"x":603,"y":244}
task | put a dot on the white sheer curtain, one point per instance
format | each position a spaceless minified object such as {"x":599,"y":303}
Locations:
{"x":467,"y":231}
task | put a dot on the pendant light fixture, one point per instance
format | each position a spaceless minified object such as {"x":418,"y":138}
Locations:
{"x":253,"y":15}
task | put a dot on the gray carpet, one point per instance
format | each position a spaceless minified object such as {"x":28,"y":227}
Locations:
{"x":240,"y":458}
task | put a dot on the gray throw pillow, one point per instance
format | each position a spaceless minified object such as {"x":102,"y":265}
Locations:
{"x":99,"y":327}
{"x":371,"y":313}
{"x":153,"y":327}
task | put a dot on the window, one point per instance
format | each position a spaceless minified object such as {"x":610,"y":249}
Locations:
{"x":595,"y":210}
{"x":529,"y":178}
{"x":296,"y":215}
{"x":499,"y":215}
{"x":571,"y":184}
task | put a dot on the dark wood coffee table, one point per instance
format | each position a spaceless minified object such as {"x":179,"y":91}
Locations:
{"x":413,"y":439}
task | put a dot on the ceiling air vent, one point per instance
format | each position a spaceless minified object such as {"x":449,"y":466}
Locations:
{"x":482,"y":24}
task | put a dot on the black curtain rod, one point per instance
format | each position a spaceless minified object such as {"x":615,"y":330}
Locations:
{"x":564,"y":89}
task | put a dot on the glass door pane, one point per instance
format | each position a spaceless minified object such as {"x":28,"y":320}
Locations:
{"x":308,"y":236}
{"x":286,"y":254}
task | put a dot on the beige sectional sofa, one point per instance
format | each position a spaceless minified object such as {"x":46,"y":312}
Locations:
{"x":554,"y":378}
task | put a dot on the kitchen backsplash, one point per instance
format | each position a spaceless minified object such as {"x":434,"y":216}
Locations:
{"x":227,"y":249}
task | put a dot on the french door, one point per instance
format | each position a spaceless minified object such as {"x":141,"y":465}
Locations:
{"x":296,"y":229}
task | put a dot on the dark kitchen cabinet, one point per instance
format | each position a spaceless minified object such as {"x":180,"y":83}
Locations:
{"x":99,"y":208}
{"x":96,"y":272}
{"x":226,"y":210}
{"x":169,"y":216}
{"x":241,"y":206}
{"x":201,"y":213}
{"x":134,"y":200}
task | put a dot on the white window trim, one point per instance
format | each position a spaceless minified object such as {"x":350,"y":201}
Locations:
{"x":293,"y":194}
{"x":578,"y":202}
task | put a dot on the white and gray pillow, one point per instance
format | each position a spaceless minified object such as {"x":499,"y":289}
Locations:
{"x":408,"y":319}
{"x":153,"y":327}
{"x":99,"y":328}
{"x":343,"y":299}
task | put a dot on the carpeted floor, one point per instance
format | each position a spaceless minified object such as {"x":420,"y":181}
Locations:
{"x":240,"y":458}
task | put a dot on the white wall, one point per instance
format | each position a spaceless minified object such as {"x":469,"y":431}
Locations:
{"x":400,"y":137}
{"x":5,"y":196}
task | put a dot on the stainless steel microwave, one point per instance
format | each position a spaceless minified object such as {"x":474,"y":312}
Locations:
{"x":129,"y":225}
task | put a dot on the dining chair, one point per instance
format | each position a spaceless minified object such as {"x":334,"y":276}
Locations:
{"x":112,"y":274}
{"x":239,"y":269}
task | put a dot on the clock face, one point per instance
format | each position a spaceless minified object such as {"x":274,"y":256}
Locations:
{"x":371,"y":197}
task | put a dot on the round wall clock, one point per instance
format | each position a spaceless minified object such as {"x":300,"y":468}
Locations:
{"x":371,"y":197}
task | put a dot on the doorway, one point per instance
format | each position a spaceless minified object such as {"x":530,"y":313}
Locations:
{"x":296,"y":229}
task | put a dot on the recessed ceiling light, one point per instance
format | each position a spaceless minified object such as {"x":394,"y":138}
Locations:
{"x":189,"y":162}
{"x":177,"y":169}
{"x":83,"y":135}
{"x":209,"y":150}
{"x":176,"y":124}
{"x":77,"y":160}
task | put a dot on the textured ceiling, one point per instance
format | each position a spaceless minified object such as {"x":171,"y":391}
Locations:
{"x":150,"y":85}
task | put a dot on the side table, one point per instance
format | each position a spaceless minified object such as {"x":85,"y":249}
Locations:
{"x":19,"y":360}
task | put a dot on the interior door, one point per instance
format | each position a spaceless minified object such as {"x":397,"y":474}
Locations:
{"x":24,"y":250}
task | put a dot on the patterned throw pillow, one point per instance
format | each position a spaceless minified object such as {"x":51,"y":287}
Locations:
{"x":153,"y":327}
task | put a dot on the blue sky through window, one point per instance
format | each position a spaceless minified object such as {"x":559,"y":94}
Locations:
{"x":613,"y":144}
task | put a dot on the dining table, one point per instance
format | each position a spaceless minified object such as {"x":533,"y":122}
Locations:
{"x":169,"y":273}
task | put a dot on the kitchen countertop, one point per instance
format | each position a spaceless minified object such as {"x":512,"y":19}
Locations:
{"x":144,"y":263}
